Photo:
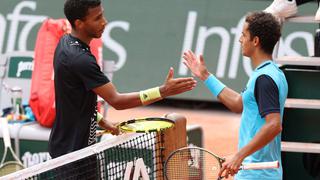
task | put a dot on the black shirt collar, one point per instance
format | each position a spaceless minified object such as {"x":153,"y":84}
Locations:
{"x":78,"y":41}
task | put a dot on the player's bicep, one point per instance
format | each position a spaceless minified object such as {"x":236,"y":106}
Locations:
{"x":108,"y":92}
{"x":276,"y":117}
{"x":274,"y":120}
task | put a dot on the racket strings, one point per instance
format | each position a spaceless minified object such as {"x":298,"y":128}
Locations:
{"x":192,"y":164}
{"x":10,"y":167}
{"x":146,"y":126}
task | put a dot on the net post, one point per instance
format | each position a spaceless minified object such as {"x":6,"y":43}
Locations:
{"x":176,"y":137}
{"x":173,"y":138}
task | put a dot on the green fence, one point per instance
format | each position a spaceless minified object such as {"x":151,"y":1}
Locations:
{"x":301,"y":125}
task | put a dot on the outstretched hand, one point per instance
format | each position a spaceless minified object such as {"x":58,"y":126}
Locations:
{"x":196,"y":65}
{"x":173,"y":86}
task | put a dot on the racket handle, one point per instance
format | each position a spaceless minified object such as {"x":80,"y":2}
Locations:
{"x":5,"y":132}
{"x":261,"y":165}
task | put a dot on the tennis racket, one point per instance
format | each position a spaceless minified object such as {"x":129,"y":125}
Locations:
{"x":199,"y":164}
{"x":8,"y":166}
{"x":142,"y":125}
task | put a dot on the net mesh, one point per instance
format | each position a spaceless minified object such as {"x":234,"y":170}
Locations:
{"x":101,"y":161}
{"x":192,"y":164}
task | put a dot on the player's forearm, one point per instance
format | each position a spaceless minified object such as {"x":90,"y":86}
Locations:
{"x":105,"y":124}
{"x":231,"y":99}
{"x":266,"y":134}
{"x":130,"y":100}
{"x":126,"y":101}
{"x":227,"y":96}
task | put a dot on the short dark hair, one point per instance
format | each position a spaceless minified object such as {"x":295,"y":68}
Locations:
{"x":78,"y":9}
{"x":266,"y":27}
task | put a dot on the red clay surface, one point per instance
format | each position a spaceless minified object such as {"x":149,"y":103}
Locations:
{"x":220,"y":128}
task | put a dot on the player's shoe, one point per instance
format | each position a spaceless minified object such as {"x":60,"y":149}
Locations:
{"x":317,"y":16}
{"x":283,"y":8}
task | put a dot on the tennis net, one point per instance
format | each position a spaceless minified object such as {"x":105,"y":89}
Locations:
{"x":113,"y":158}
{"x":105,"y":160}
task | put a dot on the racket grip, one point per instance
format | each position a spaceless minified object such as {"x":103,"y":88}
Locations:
{"x":261,"y":165}
{"x":5,"y":132}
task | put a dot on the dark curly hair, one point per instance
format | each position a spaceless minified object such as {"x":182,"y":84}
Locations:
{"x":78,"y":9}
{"x":266,"y":27}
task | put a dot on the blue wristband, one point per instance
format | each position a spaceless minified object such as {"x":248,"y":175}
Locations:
{"x":214,"y":85}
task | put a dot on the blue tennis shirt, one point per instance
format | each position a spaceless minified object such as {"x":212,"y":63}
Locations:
{"x":252,"y":122}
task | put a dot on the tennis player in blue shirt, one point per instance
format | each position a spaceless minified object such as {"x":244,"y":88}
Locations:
{"x":261,"y":102}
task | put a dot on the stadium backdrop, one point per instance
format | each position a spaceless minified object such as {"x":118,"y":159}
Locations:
{"x":146,"y":37}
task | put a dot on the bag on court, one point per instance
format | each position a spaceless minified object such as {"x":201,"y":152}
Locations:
{"x":42,"y":96}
